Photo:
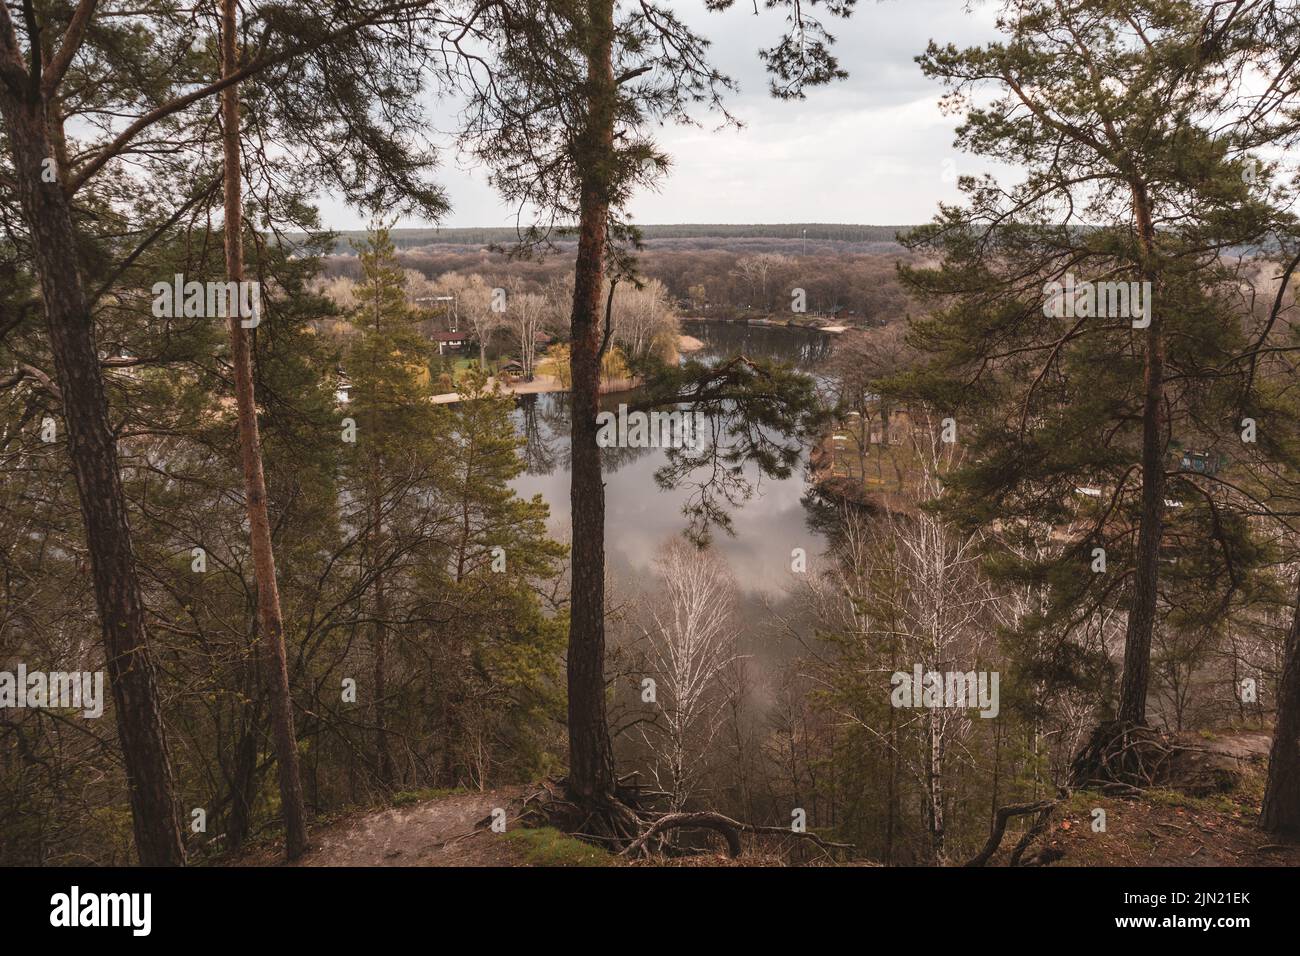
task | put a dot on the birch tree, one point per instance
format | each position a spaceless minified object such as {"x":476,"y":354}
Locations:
{"x":906,"y":590}
{"x":692,"y":646}
{"x":643,"y":319}
{"x":474,"y":304}
{"x":526,"y":313}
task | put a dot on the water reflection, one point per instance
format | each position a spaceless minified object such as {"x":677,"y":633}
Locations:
{"x":640,"y":515}
{"x":807,"y":351}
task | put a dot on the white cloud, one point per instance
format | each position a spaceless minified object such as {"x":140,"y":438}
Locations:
{"x":871,"y":149}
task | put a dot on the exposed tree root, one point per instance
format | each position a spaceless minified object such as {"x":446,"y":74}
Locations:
{"x":1032,"y":834}
{"x":613,"y":822}
{"x":729,"y":828}
{"x":623,"y":825}
{"x":1120,"y":753}
{"x":1044,"y":810}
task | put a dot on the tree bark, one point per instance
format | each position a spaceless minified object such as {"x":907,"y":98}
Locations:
{"x":92,"y":450}
{"x":384,"y":754}
{"x":934,"y":787}
{"x":268,"y":591}
{"x":591,"y":760}
{"x":1141,"y":616}
{"x":243,"y":786}
{"x":1281,"y":808}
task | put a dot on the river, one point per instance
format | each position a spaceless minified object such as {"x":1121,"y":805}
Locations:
{"x":640,"y":516}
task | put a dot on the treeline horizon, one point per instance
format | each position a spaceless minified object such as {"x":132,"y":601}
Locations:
{"x":717,"y":282}
{"x":414,"y":237}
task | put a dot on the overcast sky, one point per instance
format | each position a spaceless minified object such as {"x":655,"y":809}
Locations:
{"x":871,"y":149}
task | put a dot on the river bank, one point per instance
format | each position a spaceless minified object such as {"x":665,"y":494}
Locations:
{"x":543,"y":383}
{"x":804,"y":326}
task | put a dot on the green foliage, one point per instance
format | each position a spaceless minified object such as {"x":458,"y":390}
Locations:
{"x":758,"y":413}
{"x":1050,"y":404}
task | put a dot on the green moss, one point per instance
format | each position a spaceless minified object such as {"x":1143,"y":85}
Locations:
{"x":547,"y":846}
{"x":1220,"y":803}
{"x":1084,"y":801}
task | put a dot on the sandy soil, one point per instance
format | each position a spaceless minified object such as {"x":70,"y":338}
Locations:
{"x":539,"y":384}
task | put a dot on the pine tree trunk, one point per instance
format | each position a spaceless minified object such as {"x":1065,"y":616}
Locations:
{"x":380,"y":644}
{"x":1142,"y":612}
{"x":92,"y":451}
{"x":591,"y":759}
{"x":1281,"y":808}
{"x":243,"y":787}
{"x":268,"y":591}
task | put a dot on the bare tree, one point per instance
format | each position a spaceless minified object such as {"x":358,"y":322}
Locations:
{"x":860,"y":361}
{"x":526,"y":314}
{"x":907,"y":591}
{"x":944,"y":599}
{"x":474,"y":304}
{"x":643,"y":318}
{"x":692,"y":645}
{"x":759,"y":271}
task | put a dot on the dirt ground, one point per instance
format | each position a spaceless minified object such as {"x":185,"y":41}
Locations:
{"x":1156,"y":827}
{"x":437,"y":832}
{"x":1140,"y":832}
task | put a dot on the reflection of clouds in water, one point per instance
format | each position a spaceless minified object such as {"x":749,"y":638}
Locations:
{"x":639,"y":515}
{"x":766,"y":528}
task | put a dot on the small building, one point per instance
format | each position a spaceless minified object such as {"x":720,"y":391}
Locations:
{"x":342,"y":388}
{"x":448,"y":340}
{"x":895,"y":432}
{"x":511,"y":370}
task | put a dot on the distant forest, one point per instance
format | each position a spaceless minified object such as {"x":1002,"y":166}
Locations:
{"x":719,"y":277}
{"x":505,"y":235}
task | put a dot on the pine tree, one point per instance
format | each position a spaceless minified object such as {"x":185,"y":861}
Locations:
{"x":141,"y":77}
{"x":1132,"y":126}
{"x":270,"y":617}
{"x":562,"y":124}
{"x":388,"y":365}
